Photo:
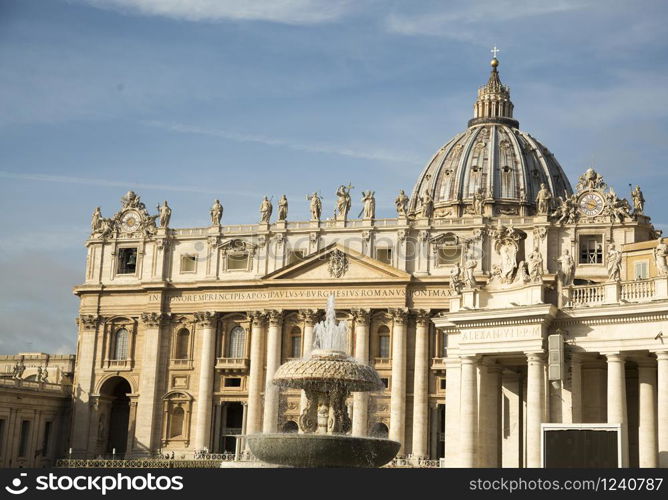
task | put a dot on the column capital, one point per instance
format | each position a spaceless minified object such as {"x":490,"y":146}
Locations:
{"x":661,"y":355}
{"x":398,"y":315}
{"x":275,"y":317}
{"x":206,"y":318}
{"x":309,"y":316}
{"x":422,"y":317}
{"x":153,"y":319}
{"x":535,"y":357}
{"x":257,"y":318}
{"x":645,"y":361}
{"x":361,"y":316}
{"x":87,"y":321}
{"x":468,"y":359}
{"x":614,"y":357}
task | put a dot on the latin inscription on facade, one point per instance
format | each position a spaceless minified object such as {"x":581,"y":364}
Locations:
{"x":502,"y":334}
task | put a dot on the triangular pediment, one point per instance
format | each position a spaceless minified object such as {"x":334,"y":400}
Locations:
{"x":338,"y":263}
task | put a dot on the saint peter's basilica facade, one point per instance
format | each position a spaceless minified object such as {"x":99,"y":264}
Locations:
{"x":494,"y":263}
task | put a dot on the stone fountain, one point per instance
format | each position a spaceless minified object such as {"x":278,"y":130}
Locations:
{"x":327,"y":378}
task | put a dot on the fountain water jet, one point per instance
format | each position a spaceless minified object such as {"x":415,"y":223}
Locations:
{"x":327,"y":378}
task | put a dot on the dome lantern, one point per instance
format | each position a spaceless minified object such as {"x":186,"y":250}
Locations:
{"x":493,"y":104}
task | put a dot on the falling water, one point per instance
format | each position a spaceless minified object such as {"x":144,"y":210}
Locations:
{"x":330,"y":335}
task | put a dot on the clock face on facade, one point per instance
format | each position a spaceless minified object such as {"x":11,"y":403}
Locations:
{"x":591,"y":204}
{"x":130,"y":222}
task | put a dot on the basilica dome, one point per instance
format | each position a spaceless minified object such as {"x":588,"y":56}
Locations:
{"x":492,"y":160}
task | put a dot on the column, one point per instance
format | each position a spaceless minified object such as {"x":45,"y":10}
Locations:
{"x":145,"y":432}
{"x":434,"y":432}
{"x":398,"y":382}
{"x":512,"y":449}
{"x":308,"y":316}
{"x":647,"y":443}
{"x":361,"y":399}
{"x":488,"y":428}
{"x":421,"y":386}
{"x":84,"y":373}
{"x":241,"y":445}
{"x":270,"y":419}
{"x":617,"y":400}
{"x":452,"y":409}
{"x":662,"y":399}
{"x":468,"y":414}
{"x":206,"y":322}
{"x":132,"y":420}
{"x":576,"y":388}
{"x":535,"y":406}
{"x":254,"y":423}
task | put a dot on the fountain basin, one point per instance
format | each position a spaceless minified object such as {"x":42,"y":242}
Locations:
{"x":322,"y":450}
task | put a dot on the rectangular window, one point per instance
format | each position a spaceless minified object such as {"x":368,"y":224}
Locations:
{"x":296,"y":256}
{"x":296,"y":347}
{"x":448,"y":256}
{"x":24,"y":438}
{"x":127,"y":260}
{"x":441,"y":383}
{"x":384,"y":346}
{"x":591,"y":249}
{"x":46,"y":438}
{"x":444,"y":345}
{"x":237,"y":262}
{"x":188,"y":263}
{"x":233,"y":382}
{"x":641,"y":270}
{"x":384,"y":255}
{"x":386,"y":382}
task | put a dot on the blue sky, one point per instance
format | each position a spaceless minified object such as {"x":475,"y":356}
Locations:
{"x":191,"y":100}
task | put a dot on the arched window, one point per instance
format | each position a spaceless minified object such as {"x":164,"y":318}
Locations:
{"x":296,"y":342}
{"x":383,"y":342}
{"x":237,"y":343}
{"x":176,"y":422}
{"x":182,"y":344}
{"x":379,"y":430}
{"x":120,"y":351}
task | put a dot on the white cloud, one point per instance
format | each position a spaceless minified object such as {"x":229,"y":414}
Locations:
{"x":380,"y":155}
{"x":457,"y":19}
{"x":280,"y":11}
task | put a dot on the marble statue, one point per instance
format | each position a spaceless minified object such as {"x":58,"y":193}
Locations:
{"x":614,"y":259}
{"x":522,"y":276}
{"x":266,"y":208}
{"x":216,"y":213}
{"x":401,"y":203}
{"x":508,"y":252}
{"x":165,"y":214}
{"x":478,"y":202}
{"x":590,"y":180}
{"x":660,"y":254}
{"x":638,"y":201}
{"x":567,"y":268}
{"x":368,"y":204}
{"x":315,"y":206}
{"x":543,"y":200}
{"x":469,"y":268}
{"x":343,"y":202}
{"x":535,"y":265}
{"x":283,"y":208}
{"x":96,"y":221}
{"x":427,"y":207}
{"x":456,"y":282}
{"x":566,"y":210}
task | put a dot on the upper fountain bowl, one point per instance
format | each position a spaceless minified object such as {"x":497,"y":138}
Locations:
{"x":325,"y":368}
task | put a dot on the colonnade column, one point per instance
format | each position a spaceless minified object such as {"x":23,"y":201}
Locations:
{"x":488,"y":427}
{"x":361,"y":399}
{"x":421,"y":386}
{"x":535,"y":406}
{"x":662,"y":406}
{"x":576,"y":388}
{"x":85,"y":365}
{"x":452,"y":407}
{"x":271,"y":394}
{"x":240,"y":444}
{"x":398,"y":382}
{"x":206,"y":322}
{"x":617,"y":400}
{"x":254,"y":423}
{"x":647,"y":449}
{"x":145,"y":431}
{"x":468,"y":413}
{"x":308,"y":316}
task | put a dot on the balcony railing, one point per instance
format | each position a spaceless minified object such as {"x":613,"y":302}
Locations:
{"x":382,"y":363}
{"x":637,"y":291}
{"x":616,"y":292}
{"x":34,"y":385}
{"x":438,"y":363}
{"x":119,"y":364}
{"x":232,"y":363}
{"x":181,"y":364}
{"x":582,"y":295}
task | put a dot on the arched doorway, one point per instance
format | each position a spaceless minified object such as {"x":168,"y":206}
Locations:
{"x":379,"y":430}
{"x":114,"y":396}
{"x":290,"y":427}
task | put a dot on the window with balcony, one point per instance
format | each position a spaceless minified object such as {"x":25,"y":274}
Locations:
{"x":295,"y":342}
{"x":641,"y":270}
{"x":591,"y":249}
{"x":120,"y":345}
{"x":182,"y":344}
{"x":383,"y":342}
{"x":237,"y":343}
